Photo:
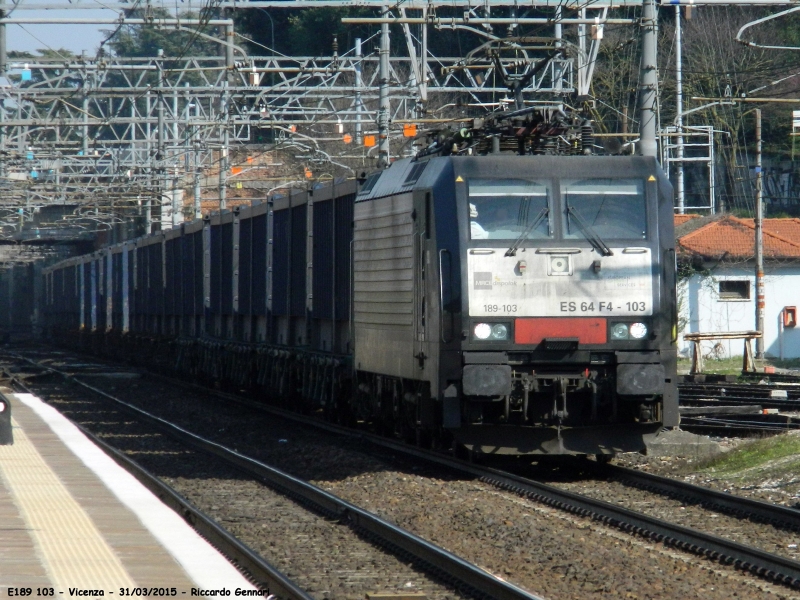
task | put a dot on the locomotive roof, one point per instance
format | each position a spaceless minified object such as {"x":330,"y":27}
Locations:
{"x":406,"y":174}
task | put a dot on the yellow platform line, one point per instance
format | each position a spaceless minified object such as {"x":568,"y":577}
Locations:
{"x":73,"y":551}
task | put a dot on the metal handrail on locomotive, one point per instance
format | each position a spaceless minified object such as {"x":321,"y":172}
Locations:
{"x":515,"y":302}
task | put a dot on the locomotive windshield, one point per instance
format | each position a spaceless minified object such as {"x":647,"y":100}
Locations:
{"x":612,"y":208}
{"x":503,"y":209}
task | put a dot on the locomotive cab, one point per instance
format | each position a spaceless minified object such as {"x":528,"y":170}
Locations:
{"x":568,"y":304}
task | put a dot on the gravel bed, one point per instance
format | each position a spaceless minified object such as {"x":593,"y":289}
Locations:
{"x":323,"y":557}
{"x":759,"y":535}
{"x":541,"y":549}
{"x":783,"y":489}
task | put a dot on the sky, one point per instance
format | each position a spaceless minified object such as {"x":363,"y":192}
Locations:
{"x":77,"y":38}
{"x":30,"y":38}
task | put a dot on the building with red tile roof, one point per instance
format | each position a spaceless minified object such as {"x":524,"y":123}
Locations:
{"x":681,"y":219}
{"x":729,"y":238}
{"x":719,"y":295}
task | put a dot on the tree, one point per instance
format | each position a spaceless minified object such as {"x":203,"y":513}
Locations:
{"x":147,"y":40}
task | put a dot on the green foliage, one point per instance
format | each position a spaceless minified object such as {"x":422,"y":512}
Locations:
{"x":147,"y":40}
{"x":42,"y":53}
{"x":308,"y":32}
{"x":311,"y":32}
{"x":691,"y":266}
{"x":755,"y":454}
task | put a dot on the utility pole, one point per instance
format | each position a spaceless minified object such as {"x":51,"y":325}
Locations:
{"x":383,"y":111}
{"x":148,"y":210}
{"x":198,"y":212}
{"x":3,"y":73}
{"x":679,"y":105}
{"x":3,"y":56}
{"x":648,"y":78}
{"x":223,"y":153}
{"x":423,"y":83}
{"x":177,"y":217}
{"x":558,"y":34}
{"x":160,"y":141}
{"x":359,"y":139}
{"x":759,"y":242}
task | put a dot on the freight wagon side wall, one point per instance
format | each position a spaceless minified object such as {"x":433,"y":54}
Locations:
{"x":331,"y":241}
{"x":288,"y":288}
{"x":17,"y":302}
{"x":254,"y":298}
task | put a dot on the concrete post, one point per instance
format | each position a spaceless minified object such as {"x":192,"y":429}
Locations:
{"x":648,"y":78}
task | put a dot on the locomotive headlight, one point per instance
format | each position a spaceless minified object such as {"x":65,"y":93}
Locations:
{"x":491,"y":331}
{"x":637,"y":330}
{"x":619,"y":331}
{"x":482,"y":331}
{"x":499,"y":331}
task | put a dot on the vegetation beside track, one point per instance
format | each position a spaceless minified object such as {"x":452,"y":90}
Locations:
{"x":765,"y":469}
{"x":779,"y":454}
{"x":725,"y":366}
{"x":733,"y":365}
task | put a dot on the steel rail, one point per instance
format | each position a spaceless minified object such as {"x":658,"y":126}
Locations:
{"x":752,"y":559}
{"x":759,"y":562}
{"x":733,"y":389}
{"x":724,"y":502}
{"x":437,"y":560}
{"x":747,"y":558}
{"x":762,"y":563}
{"x":253,"y":566}
{"x":731,"y":426}
{"x":764,"y":401}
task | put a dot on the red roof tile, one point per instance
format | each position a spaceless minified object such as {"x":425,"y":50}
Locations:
{"x":734,"y":239}
{"x":681,"y":219}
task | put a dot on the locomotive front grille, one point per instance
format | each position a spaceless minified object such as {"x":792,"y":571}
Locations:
{"x":561,"y":344}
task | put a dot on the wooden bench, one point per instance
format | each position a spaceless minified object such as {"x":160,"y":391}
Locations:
{"x":748,"y":362}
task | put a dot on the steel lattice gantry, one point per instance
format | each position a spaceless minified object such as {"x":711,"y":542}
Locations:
{"x":112,"y":134}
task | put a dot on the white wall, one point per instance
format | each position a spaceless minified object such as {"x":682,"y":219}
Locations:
{"x":702,"y":310}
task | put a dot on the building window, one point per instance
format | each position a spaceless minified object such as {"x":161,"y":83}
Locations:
{"x":734,"y":290}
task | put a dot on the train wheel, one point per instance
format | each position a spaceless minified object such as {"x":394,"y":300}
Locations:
{"x":475,"y":456}
{"x":423,"y":438}
{"x":460,"y":451}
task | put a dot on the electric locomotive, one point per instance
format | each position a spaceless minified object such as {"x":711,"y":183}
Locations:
{"x":526,"y":304}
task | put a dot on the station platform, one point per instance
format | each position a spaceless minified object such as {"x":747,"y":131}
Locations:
{"x":74,"y":523}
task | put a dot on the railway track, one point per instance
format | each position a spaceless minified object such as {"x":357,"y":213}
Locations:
{"x":743,"y":409}
{"x":757,"y":510}
{"x":450,"y":576}
{"x":769,"y":396}
{"x":766,"y":564}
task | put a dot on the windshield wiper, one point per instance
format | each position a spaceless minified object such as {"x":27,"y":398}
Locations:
{"x":589,"y":233}
{"x":512,"y":251}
